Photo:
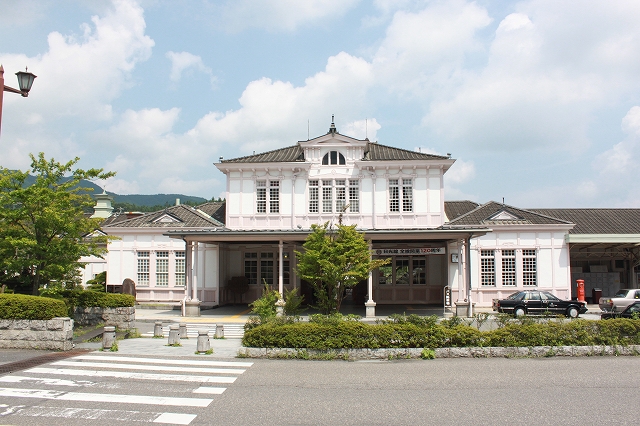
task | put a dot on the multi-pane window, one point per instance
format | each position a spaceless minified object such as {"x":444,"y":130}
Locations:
{"x":327,"y":196}
{"x":404,"y":271}
{"x":401,"y":189}
{"x":251,"y":267}
{"x":487,"y":268}
{"x":270,"y":198}
{"x":508,"y":267}
{"x":261,"y":196}
{"x":339,"y":195}
{"x":266,"y":268}
{"x":143,"y":268}
{"x":407,"y":195}
{"x":354,"y":195}
{"x":274,"y":196}
{"x":162,"y":268}
{"x":333,"y":158}
{"x":180,"y":268}
{"x":313,"y":196}
{"x":529,"y":268}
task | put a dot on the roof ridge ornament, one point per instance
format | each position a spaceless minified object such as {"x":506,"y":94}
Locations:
{"x":332,"y":129}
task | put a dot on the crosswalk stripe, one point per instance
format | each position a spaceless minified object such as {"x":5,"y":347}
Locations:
{"x":210,"y":390}
{"x":104,"y":397}
{"x":148,"y":367}
{"x":116,"y":358}
{"x":131,"y":375}
{"x":97,"y":414}
{"x":42,"y":381}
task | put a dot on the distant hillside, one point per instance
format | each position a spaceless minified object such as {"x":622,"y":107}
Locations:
{"x":138,"y":199}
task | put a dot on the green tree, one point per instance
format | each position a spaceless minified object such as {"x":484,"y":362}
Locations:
{"x":333,"y":261}
{"x":43,"y":229}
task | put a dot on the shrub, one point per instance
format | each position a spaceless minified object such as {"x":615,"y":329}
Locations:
{"x":292,"y":302}
{"x":265,"y":306}
{"x":20,"y":306}
{"x":78,"y":298}
{"x":337,"y":331}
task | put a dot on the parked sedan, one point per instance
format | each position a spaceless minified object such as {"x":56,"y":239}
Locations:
{"x":632,"y":311}
{"x":623,"y":298}
{"x":537,"y":302}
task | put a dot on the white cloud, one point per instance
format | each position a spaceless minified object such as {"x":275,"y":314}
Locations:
{"x":460,"y":172}
{"x":279,"y":15}
{"x":270,"y":109}
{"x":184,"y":61}
{"x":78,"y":78}
{"x":360,"y":129}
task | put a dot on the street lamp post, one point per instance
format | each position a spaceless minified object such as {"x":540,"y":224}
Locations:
{"x":25,"y":81}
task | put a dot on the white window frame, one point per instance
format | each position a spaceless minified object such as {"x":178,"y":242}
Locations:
{"x":509,"y":272}
{"x":529,"y":268}
{"x":267,"y":196}
{"x":143,"y":268}
{"x":162,"y":268}
{"x":487,"y":268}
{"x":180,"y":269}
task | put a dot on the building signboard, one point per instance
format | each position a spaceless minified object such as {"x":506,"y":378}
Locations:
{"x":408,"y":251}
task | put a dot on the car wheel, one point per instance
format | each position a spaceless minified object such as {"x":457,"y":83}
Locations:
{"x":572,"y":312}
{"x":518,"y":312}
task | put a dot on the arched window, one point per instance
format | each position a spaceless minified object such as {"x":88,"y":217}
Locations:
{"x":333,"y":157}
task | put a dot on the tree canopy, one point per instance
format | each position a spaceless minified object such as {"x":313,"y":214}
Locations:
{"x":334,"y":260}
{"x":43,"y":229}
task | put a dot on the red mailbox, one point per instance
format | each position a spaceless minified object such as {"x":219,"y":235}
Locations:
{"x":580,"y":290}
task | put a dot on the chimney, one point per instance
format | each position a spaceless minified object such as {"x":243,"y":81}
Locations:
{"x":177,"y":201}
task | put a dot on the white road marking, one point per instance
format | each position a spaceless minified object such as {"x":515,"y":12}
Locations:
{"x":131,"y":375}
{"x":45,"y":381}
{"x":210,"y":390}
{"x":100,"y":414}
{"x":176,"y":419}
{"x":104,"y":397}
{"x":200,"y":363}
{"x":148,"y":367}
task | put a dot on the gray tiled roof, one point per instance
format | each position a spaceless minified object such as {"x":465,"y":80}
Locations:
{"x":374,"y":152}
{"x":215,"y":209}
{"x":482,"y":214}
{"x":282,"y":155}
{"x":454,"y":209}
{"x":377,"y":152}
{"x":187,"y":216}
{"x":598,"y":221}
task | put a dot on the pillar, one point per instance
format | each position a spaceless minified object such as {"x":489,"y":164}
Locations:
{"x":370,"y":305}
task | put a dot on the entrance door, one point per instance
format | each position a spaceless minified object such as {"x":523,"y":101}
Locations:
{"x":410,"y":279}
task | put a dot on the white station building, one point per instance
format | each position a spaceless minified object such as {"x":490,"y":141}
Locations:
{"x":460,"y":249}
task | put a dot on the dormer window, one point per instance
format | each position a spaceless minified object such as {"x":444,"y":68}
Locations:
{"x":333,"y":158}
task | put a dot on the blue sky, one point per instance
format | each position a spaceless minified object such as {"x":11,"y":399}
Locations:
{"x":538,"y":100}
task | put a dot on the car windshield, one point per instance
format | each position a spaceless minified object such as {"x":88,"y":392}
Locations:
{"x":621,"y":293}
{"x":548,"y":296}
{"x":516,"y":296}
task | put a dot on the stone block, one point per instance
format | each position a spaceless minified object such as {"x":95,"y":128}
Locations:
{"x":478,"y":352}
{"x":459,"y":353}
{"x":442,"y":352}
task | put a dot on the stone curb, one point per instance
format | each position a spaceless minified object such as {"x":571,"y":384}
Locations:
{"x":415,"y":353}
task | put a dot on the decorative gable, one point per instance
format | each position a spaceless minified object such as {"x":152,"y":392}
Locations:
{"x":166,"y":218}
{"x":504,"y":215}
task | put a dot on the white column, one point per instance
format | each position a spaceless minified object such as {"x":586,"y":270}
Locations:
{"x":196,"y":264}
{"x":188,"y":269}
{"x":280,"y":302}
{"x":370,"y":305}
{"x":280,"y":269}
{"x":461,"y":271}
{"x":467,"y":243}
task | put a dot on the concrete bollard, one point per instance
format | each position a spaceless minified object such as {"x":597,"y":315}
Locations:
{"x":174,"y":337}
{"x":219,"y":331}
{"x":183,"y":330}
{"x":108,"y":337}
{"x":157,"y":329}
{"x":204,"y":344}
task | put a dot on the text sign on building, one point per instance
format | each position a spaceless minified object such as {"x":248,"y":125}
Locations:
{"x":426,"y":250}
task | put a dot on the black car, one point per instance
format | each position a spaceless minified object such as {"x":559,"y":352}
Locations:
{"x":538,"y":302}
{"x":631,"y":311}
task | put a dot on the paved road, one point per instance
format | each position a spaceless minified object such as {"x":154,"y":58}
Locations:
{"x":109,"y":389}
{"x":102,"y":388}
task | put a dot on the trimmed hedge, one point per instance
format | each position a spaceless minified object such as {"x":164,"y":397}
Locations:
{"x":356,"y":335}
{"x":89,"y":299}
{"x":24,"y":307}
